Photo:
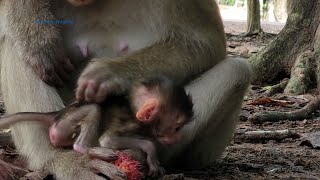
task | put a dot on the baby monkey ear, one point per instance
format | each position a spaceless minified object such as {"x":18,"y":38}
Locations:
{"x":148,"y":111}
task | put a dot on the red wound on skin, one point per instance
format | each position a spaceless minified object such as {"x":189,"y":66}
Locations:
{"x":129,"y":166}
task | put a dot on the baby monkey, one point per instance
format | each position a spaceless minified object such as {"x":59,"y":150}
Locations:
{"x":153,"y":112}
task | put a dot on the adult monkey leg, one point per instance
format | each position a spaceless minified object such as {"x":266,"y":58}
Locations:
{"x":15,"y":74}
{"x":217,"y":97}
{"x":23,"y":90}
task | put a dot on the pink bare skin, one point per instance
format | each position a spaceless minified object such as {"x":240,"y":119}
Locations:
{"x":83,"y":46}
{"x":122,"y":48}
{"x":62,"y":124}
{"x":80,"y":3}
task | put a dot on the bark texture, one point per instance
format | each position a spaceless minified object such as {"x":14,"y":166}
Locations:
{"x":253,"y":19}
{"x":296,"y":46}
{"x":280,"y":10}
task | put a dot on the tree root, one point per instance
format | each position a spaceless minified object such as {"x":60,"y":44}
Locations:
{"x":277,"y":88}
{"x":301,"y":74}
{"x":275,"y":116}
{"x":262,"y":136}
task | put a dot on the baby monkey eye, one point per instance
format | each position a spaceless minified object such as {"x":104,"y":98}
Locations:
{"x":74,"y":135}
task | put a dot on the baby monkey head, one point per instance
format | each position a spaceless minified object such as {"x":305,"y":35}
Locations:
{"x":166,"y":106}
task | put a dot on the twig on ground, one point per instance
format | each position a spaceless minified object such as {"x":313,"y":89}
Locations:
{"x":275,"y":116}
{"x":262,"y":136}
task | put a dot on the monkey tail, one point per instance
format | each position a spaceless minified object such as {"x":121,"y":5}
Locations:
{"x":45,"y":118}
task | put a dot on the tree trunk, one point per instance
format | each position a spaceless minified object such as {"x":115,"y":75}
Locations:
{"x":265,"y":8}
{"x":236,"y":3}
{"x":253,"y":17}
{"x":280,"y":10}
{"x":317,"y":55}
{"x":296,"y":46}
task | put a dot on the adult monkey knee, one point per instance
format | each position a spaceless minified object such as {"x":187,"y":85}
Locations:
{"x":217,"y":96}
{"x":179,"y":39}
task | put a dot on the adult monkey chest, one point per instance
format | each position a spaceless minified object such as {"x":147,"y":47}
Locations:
{"x":110,"y":28}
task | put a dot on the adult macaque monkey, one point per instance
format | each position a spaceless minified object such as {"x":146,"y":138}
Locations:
{"x":177,"y":38}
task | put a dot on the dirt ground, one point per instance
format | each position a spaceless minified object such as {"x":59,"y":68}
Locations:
{"x":288,"y":157}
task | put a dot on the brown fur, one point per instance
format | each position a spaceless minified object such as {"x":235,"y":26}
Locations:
{"x":178,"y":38}
{"x":38,"y":42}
{"x":164,"y":109}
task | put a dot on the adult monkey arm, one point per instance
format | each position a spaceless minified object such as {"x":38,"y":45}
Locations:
{"x":192,"y":41}
{"x":23,"y":90}
{"x":31,"y":139}
{"x":36,"y":32}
